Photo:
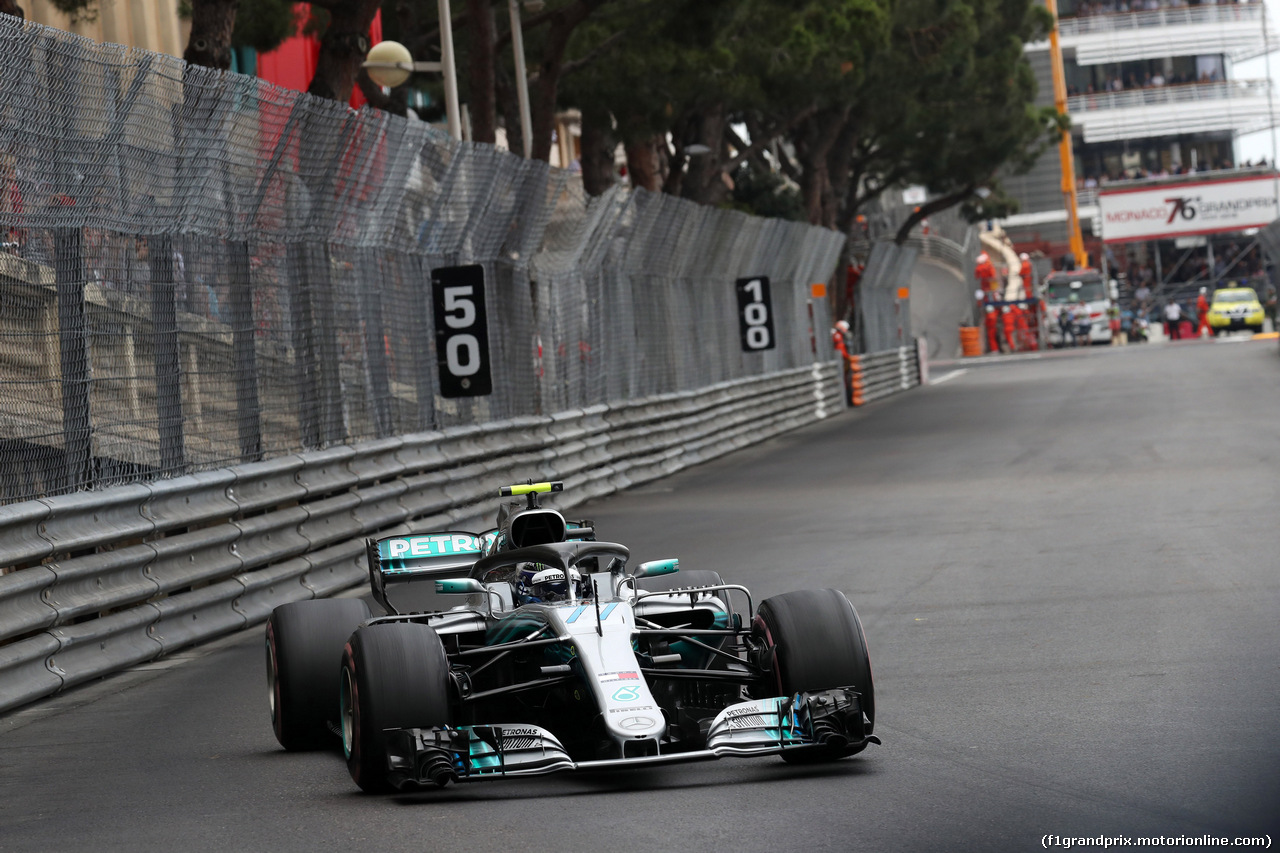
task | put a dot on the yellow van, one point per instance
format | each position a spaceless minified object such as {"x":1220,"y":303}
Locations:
{"x":1235,"y":308}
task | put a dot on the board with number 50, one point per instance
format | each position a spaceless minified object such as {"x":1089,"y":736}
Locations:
{"x":462,"y":331}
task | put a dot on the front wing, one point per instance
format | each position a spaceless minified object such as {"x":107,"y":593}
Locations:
{"x":828,"y":720}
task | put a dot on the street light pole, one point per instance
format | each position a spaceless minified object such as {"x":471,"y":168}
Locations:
{"x":450,"y":70}
{"x":522,"y":76}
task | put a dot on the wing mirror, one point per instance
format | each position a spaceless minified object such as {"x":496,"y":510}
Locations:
{"x":459,"y":586}
{"x":653,"y":568}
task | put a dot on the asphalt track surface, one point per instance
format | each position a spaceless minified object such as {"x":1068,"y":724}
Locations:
{"x":941,"y":301}
{"x":1067,"y":571}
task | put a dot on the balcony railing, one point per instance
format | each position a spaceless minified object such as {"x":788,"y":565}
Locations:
{"x":1184,"y":16}
{"x":1157,"y":95}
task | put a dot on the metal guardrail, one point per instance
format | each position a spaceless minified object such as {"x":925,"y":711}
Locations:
{"x":881,"y":374}
{"x":99,"y":581}
{"x":1185,"y":16}
{"x":1175,"y":94}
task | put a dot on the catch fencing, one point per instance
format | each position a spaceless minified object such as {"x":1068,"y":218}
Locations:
{"x":218,"y":360}
{"x":202,"y":270}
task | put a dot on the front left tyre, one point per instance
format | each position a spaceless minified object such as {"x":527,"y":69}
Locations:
{"x":304,"y":653}
{"x":817,"y":643}
{"x":395,"y":675}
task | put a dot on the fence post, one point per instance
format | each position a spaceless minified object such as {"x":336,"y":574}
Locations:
{"x":315,"y":346}
{"x":245,"y":354}
{"x":73,"y":350}
{"x":164,"y":330}
{"x":424,"y":365}
{"x":378,"y":394}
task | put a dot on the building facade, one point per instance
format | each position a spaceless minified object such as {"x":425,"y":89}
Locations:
{"x":148,"y":24}
{"x":1151,"y":93}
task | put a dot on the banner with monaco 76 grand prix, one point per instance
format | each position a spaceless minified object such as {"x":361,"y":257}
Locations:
{"x":1186,"y":209}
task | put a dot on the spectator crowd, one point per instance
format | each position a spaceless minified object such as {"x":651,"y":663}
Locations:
{"x":1087,"y":9}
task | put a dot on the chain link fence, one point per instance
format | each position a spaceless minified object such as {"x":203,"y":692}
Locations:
{"x":200,"y":269}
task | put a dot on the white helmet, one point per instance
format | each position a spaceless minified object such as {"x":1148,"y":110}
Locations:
{"x":842,"y":325}
{"x":1024,"y":256}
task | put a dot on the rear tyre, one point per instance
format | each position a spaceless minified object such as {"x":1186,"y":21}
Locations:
{"x":394,"y":676}
{"x":304,"y":653}
{"x":818,"y":643}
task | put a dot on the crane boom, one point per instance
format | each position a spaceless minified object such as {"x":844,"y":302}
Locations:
{"x":1064,"y":144}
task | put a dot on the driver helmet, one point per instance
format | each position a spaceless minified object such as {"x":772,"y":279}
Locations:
{"x":537,"y":583}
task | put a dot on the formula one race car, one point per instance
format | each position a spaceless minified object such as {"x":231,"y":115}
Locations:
{"x":532,"y":648}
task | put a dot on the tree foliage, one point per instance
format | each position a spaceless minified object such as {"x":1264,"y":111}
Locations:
{"x":840,"y":99}
{"x":264,"y":24}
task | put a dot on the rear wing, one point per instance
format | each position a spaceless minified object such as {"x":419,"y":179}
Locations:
{"x":419,"y":557}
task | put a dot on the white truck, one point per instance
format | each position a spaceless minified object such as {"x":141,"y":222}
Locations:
{"x":1069,"y":291}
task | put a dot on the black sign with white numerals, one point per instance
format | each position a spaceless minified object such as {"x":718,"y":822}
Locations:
{"x":755,"y":314}
{"x":462,"y":331}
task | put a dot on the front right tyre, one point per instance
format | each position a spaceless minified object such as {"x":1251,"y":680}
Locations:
{"x":304,"y":652}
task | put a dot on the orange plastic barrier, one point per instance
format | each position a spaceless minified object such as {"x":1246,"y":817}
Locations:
{"x":855,"y":381}
{"x":970,"y":340}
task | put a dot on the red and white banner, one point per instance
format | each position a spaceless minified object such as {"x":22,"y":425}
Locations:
{"x":1183,"y":209}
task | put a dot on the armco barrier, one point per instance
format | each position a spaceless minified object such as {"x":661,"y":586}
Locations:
{"x":95,"y":582}
{"x":879,"y":374}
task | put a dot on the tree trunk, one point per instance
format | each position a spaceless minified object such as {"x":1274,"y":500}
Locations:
{"x":211,"y":24}
{"x":704,"y":182}
{"x":643,"y":163}
{"x":11,"y":7}
{"x":342,"y":48}
{"x":484,"y":114}
{"x":924,"y":211}
{"x":396,"y":103}
{"x":598,"y":145}
{"x":543,"y":91}
{"x":839,"y":163}
{"x":819,"y":134}
{"x":509,"y":106}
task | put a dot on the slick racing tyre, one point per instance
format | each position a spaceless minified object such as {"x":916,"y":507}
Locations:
{"x":394,"y":676}
{"x":817,"y":643}
{"x":304,"y":653}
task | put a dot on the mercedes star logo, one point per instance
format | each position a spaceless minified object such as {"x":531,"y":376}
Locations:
{"x":633,"y":724}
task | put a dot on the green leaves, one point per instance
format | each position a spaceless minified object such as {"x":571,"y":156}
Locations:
{"x":263,"y":24}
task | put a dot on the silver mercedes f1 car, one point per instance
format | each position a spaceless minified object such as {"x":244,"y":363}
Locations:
{"x":533,"y":648}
